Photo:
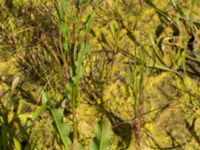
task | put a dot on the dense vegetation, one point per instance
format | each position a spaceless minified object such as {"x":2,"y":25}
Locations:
{"x":99,"y":74}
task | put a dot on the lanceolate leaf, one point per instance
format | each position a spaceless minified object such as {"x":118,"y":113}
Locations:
{"x":84,"y":50}
{"x":79,"y":70}
{"x":64,"y":32}
{"x":62,"y":128}
{"x":35,"y":115}
{"x":102,"y":139}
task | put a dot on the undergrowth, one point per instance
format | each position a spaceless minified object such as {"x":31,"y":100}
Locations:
{"x":97,"y":75}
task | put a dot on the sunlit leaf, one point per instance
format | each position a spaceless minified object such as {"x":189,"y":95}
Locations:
{"x":17,"y":144}
{"x":14,"y":84}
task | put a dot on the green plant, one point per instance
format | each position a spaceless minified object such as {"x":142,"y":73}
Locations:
{"x":137,"y":84}
{"x":75,"y":47}
{"x":141,"y":67}
{"x":102,"y":139}
{"x":8,"y":115}
{"x":63,"y":129}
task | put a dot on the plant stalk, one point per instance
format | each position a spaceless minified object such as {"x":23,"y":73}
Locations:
{"x":75,"y":133}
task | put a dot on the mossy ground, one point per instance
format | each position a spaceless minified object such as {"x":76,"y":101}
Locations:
{"x":29,"y":49}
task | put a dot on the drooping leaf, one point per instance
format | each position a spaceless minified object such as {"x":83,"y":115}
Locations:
{"x":34,"y":116}
{"x":102,"y":139}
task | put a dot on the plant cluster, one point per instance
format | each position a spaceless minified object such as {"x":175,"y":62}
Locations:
{"x":132,"y":67}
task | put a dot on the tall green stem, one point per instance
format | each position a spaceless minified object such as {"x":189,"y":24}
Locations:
{"x":75,"y":133}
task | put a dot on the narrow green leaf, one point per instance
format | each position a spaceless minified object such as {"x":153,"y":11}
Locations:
{"x":39,"y":111}
{"x":79,"y":70}
{"x":191,"y":9}
{"x":4,"y":136}
{"x":64,"y":5}
{"x":35,"y":115}
{"x":156,"y":50}
{"x":178,"y":8}
{"x":64,"y":32}
{"x":102,"y":139}
{"x":61,"y":9}
{"x":62,"y":128}
{"x":89,"y":21}
{"x":84,"y":50}
{"x":17,"y":144}
{"x":60,"y":13}
{"x":113,"y":30}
